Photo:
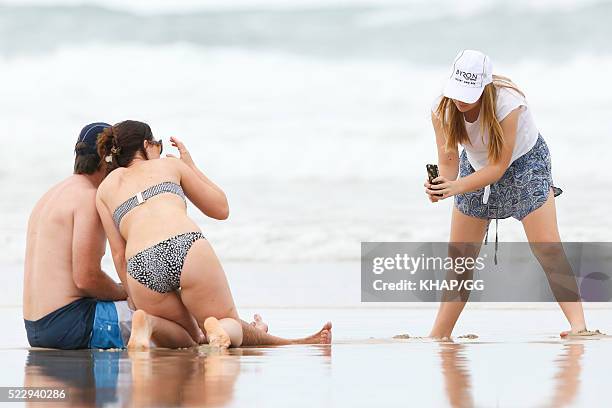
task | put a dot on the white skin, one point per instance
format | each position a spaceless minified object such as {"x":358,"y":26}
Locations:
{"x":540,"y":225}
{"x":64,"y":247}
{"x":205,"y":302}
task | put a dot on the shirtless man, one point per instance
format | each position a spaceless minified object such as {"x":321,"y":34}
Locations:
{"x":68,"y":301}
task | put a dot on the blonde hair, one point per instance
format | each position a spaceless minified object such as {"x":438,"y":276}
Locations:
{"x":453,"y":124}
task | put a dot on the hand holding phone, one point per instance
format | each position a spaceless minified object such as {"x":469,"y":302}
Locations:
{"x":433,"y":173}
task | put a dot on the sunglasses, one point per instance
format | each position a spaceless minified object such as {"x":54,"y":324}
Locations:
{"x":158,"y":143}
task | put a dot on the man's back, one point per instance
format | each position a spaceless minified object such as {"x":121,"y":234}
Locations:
{"x":57,"y":223}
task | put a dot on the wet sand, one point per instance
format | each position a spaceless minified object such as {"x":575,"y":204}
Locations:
{"x":518,"y":360}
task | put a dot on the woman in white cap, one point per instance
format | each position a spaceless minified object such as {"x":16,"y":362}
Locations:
{"x":504,"y":169}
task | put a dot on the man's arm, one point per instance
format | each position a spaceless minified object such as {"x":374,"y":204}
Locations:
{"x":88,"y":247}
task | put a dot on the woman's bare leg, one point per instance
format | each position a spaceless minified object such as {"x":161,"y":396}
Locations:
{"x":164,"y":333}
{"x":206,"y":293}
{"x":168,"y":306}
{"x":464,"y":229}
{"x":257,"y":337}
{"x":541,"y":227}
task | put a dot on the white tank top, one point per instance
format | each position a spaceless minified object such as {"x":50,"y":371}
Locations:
{"x":526,"y":131}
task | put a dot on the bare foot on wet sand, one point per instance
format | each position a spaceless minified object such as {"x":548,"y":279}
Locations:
{"x":580,"y":333}
{"x":140,"y":337}
{"x":217,"y":337}
{"x":439,"y":338}
{"x":258,"y":323}
{"x":323,"y":336}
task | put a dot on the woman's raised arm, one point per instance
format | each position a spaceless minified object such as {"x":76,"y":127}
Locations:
{"x":201,"y":191}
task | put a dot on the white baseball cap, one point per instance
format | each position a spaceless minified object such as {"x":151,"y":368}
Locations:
{"x":472,"y":70}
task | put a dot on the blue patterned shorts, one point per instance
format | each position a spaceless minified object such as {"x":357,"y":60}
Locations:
{"x":523,"y":188}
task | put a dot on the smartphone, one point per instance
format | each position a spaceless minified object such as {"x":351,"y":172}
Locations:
{"x":432,"y":173}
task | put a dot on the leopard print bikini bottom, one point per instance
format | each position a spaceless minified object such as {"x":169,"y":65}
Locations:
{"x":159,"y":267}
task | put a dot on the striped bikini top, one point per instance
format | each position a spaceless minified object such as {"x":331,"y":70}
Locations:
{"x":141,"y":197}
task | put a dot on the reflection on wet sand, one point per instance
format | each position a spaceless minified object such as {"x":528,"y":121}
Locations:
{"x":457,"y":378}
{"x":194,"y":377}
{"x":206,"y":378}
{"x":567,"y":380}
{"x":200,"y":377}
{"x":456,"y":374}
{"x":74,"y":372}
{"x":191,"y":378}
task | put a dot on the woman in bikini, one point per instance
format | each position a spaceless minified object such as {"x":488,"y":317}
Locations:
{"x":169,"y":269}
{"x":504,"y":171}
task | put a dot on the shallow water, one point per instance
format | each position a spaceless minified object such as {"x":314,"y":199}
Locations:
{"x":518,"y":361}
{"x":383,"y":373}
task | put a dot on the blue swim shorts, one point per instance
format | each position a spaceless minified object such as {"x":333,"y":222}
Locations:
{"x":111,"y":326}
{"x":522,"y":189}
{"x":81,"y":324}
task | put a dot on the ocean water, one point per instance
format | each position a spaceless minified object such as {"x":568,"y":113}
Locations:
{"x":312,"y":115}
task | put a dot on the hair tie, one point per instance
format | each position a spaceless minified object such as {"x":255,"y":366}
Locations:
{"x":109,"y":158}
{"x":115,"y":150}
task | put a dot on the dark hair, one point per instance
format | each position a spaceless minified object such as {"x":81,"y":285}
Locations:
{"x":85,"y":161}
{"x":118,"y":144}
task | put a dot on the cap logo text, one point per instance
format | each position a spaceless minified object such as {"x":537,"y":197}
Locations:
{"x":467,"y":75}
